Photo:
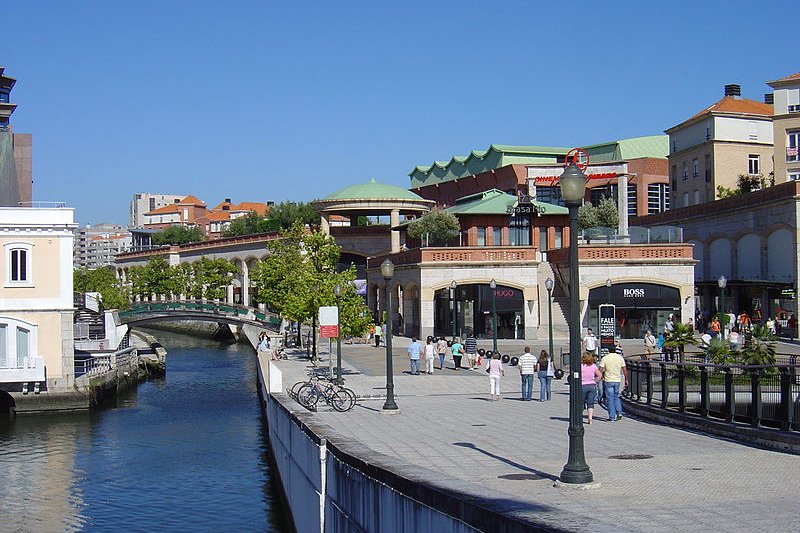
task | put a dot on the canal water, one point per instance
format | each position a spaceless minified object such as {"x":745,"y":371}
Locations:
{"x":187,"y":452}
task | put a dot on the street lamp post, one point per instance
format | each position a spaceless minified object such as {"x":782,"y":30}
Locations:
{"x":573,"y":187}
{"x":454,"y":304}
{"x":493,"y":286}
{"x":722,"y":282}
{"x":339,"y":381}
{"x":387,"y":270}
{"x":548,"y":284}
{"x":609,"y":283}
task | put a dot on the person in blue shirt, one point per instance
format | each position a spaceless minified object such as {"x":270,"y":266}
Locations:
{"x":413,"y":355}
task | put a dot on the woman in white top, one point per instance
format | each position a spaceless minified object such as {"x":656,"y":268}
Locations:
{"x":430,"y":355}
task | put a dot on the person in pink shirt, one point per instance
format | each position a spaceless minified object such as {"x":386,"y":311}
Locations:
{"x":590,"y":377}
{"x":495,"y":370}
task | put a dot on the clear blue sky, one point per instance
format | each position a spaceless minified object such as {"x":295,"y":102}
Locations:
{"x":261,"y":100}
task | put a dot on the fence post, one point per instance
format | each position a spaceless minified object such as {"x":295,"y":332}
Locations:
{"x":681,"y":387}
{"x":649,"y":377}
{"x":730,"y":403}
{"x":787,"y":402}
{"x":705,"y":395}
{"x":664,"y":387}
{"x":638,"y":383}
{"x":755,"y":397}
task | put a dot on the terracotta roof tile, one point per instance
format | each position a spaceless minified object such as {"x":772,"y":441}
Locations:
{"x":728,"y":104}
{"x":171,"y":208}
{"x":792,"y":77}
{"x":192,"y":200}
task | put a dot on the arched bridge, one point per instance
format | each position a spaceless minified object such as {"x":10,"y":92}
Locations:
{"x":142,"y":312}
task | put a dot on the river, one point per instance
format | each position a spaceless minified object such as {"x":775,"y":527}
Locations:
{"x":187,"y":452}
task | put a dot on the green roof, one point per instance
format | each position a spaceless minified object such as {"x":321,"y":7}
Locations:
{"x":627,"y":149}
{"x":497,"y":202}
{"x":373,"y":191}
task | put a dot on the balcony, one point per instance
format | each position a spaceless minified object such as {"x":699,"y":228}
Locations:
{"x":461,"y":255}
{"x":32,"y":369}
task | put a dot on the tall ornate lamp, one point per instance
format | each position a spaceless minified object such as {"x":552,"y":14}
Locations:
{"x":387,"y":271}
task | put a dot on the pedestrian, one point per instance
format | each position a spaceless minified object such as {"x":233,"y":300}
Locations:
{"x":615,"y":377}
{"x":495,"y":370}
{"x":770,"y":325}
{"x":618,"y":347}
{"x":263,"y":343}
{"x":430,"y":355}
{"x":734,"y":338}
{"x":457,"y":350}
{"x":441,"y":350}
{"x":545,"y":372}
{"x":715,"y":327}
{"x":590,"y":343}
{"x":471,"y":347}
{"x":527,"y":367}
{"x":792,"y":324}
{"x":383,"y":334}
{"x":661,"y":348}
{"x":650,"y":343}
{"x":377,"y":335}
{"x":414,"y":350}
{"x":590,"y":377}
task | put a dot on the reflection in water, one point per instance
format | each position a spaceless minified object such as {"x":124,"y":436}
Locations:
{"x":183,"y":453}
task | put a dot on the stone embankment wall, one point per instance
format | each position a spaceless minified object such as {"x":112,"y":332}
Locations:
{"x":333,"y":483}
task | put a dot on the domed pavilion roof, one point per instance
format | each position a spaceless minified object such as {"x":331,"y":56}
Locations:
{"x":373,"y":191}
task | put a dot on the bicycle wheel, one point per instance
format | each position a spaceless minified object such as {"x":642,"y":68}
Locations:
{"x":308,"y":396}
{"x":296,"y":387}
{"x":340,"y":401}
{"x":349,"y":397}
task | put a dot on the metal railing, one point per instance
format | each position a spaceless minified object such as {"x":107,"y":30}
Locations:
{"x":761,"y":395}
{"x":209,"y":307}
{"x":92,"y":365}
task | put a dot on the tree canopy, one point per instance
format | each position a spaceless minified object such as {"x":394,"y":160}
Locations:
{"x":104,"y":281}
{"x":285,"y":214}
{"x":175,"y":235}
{"x":605,"y":214}
{"x":300,"y":275}
{"x":438,"y":224}
{"x":249,"y":224}
{"x":206,"y":278}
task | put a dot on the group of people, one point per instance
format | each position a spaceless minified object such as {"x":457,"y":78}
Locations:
{"x":437,"y":349}
{"x":603,"y":378}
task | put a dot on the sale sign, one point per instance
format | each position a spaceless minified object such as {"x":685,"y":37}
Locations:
{"x":607,"y":328}
{"x":329,"y":322}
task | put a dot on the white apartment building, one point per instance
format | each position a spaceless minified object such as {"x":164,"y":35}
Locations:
{"x":145,"y":202}
{"x":36,"y":300}
{"x":97,"y":244}
{"x":786,"y":124}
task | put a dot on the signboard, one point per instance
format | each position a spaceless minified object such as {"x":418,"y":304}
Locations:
{"x":607,"y":327}
{"x":329,"y":322}
{"x":787,"y":294}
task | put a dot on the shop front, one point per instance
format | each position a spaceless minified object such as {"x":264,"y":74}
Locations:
{"x":473,"y":311}
{"x":639,"y":307}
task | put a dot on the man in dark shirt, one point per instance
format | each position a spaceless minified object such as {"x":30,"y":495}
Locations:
{"x":471,"y":347}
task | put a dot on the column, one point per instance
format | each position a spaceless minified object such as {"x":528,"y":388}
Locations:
{"x":229,"y":294}
{"x":245,"y":284}
{"x":394,"y":220}
{"x":325,"y":224}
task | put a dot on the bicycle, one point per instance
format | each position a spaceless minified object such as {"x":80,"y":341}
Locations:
{"x":340,"y":398}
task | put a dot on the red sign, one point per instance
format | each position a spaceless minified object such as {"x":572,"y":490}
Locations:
{"x":329,"y":332}
{"x":577,"y":156}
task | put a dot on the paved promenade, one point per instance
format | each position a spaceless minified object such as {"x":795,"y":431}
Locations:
{"x":510,"y":452}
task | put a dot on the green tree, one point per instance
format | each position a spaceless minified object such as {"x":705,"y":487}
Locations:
{"x":175,"y":235}
{"x":104,"y":281}
{"x":212,"y":276}
{"x":438,"y":224}
{"x":587,"y":216}
{"x":680,"y":336}
{"x":607,"y":213}
{"x":152,"y":278}
{"x":249,"y":224}
{"x":761,"y":348}
{"x":718,"y":351}
{"x":299,"y":276}
{"x":284,"y":214}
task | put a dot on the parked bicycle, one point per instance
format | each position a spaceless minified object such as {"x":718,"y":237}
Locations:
{"x":308,"y":393}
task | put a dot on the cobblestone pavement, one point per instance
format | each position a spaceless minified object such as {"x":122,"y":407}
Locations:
{"x":513,"y":451}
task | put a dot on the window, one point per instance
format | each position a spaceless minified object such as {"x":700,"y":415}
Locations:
{"x":685,"y":171}
{"x":695,"y":168}
{"x":752,"y":130}
{"x":753,"y":164}
{"x":543,"y":239}
{"x":708,"y":133}
{"x":549,"y":195}
{"x":558,"y":241}
{"x":794,"y":176}
{"x":686,"y":199}
{"x":23,"y":337}
{"x":632,"y":199}
{"x":707,"y":168}
{"x":598,"y":193}
{"x":792,"y":145}
{"x":519,"y":230}
{"x":4,"y":97}
{"x":3,"y":349}
{"x":152,"y":204}
{"x":18,"y":264}
{"x":481,"y":236}
{"x":17,"y":343}
{"x":497,"y":236}
{"x":657,"y":198}
{"x":696,"y":197}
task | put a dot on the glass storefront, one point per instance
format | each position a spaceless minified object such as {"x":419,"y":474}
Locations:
{"x":639,"y":307}
{"x":474,"y":311}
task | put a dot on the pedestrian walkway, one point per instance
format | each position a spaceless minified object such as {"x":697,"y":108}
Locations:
{"x":648,"y":477}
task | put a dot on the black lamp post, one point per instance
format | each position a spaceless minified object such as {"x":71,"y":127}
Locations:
{"x":548,"y":284}
{"x":339,"y":381}
{"x":723,"y":315}
{"x":454,"y":304}
{"x":387,"y":270}
{"x":493,"y":286}
{"x":573,"y":187}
